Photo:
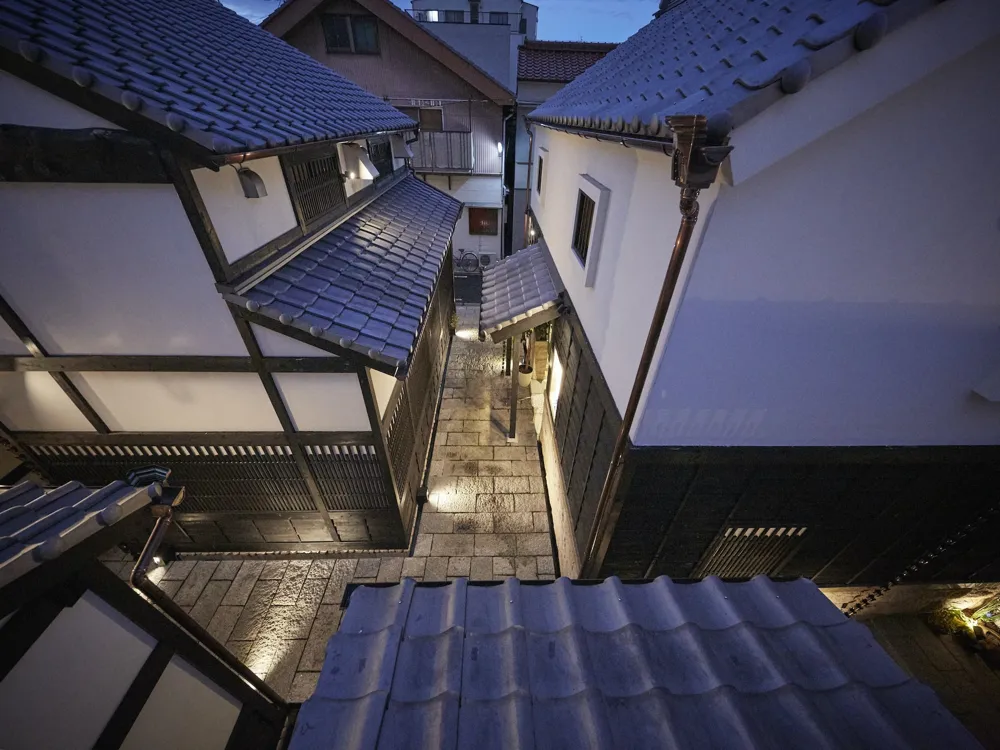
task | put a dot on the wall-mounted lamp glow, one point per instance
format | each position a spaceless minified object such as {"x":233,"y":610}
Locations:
{"x":500,"y":148}
{"x":353,"y":175}
{"x":531,"y":232}
{"x":253,"y":186}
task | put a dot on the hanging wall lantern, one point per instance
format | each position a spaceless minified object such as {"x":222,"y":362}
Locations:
{"x":251,"y":182}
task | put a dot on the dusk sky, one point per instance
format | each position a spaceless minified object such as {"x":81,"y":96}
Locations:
{"x":575,"y":20}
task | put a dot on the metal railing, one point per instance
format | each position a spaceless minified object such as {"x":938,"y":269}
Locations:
{"x":443,"y":150}
{"x":486,"y":18}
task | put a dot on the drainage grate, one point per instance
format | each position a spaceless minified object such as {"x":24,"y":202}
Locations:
{"x":747,"y":551}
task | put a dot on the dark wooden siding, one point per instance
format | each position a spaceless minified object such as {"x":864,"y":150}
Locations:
{"x":586,"y":424}
{"x":408,"y":422}
{"x":869,"y":512}
{"x":244,"y":491}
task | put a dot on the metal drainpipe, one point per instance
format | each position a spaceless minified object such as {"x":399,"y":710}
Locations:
{"x":695,"y":167}
{"x":503,"y":183}
{"x":139,"y":581}
{"x":531,"y":163}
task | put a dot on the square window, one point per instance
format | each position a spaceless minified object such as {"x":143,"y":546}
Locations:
{"x":365,"y":30}
{"x":454,"y":16}
{"x":336,"y":31}
{"x":432,"y":119}
{"x":499,"y":19}
{"x":584,"y":223}
{"x":484,"y":220}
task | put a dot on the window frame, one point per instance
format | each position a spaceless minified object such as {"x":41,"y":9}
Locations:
{"x":495,"y":20}
{"x":583,"y":226}
{"x":540,"y":175}
{"x":352,"y":47}
{"x":295,"y":166}
{"x":474,"y":231}
{"x":450,"y":16}
{"x":601,"y":197}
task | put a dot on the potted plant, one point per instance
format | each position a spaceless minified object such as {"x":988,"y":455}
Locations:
{"x":524,"y":370}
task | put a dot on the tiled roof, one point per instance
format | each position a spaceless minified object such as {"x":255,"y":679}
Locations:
{"x":37,"y":525}
{"x":557,"y":61}
{"x":196,"y":68}
{"x":520,"y":286}
{"x":366,"y":285}
{"x":719,"y":57}
{"x":647,"y":665}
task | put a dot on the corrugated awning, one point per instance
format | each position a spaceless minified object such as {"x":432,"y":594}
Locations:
{"x":365,"y":287}
{"x":519,"y":293}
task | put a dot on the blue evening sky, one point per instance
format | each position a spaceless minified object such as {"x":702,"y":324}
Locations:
{"x":572,"y":20}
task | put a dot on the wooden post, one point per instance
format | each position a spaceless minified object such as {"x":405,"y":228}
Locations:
{"x":512,"y":433}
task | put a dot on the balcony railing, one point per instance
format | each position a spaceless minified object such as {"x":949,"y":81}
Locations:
{"x":443,"y":150}
{"x":485,"y":18}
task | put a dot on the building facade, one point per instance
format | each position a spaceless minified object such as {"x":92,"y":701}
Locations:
{"x":463,"y":112}
{"x":542,"y":69}
{"x":487,"y":32}
{"x":820,"y":401}
{"x":251,"y":289}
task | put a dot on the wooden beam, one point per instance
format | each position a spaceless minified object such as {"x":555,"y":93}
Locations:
{"x":169,"y":363}
{"x":33,"y":154}
{"x":393,"y":484}
{"x":169,"y":439}
{"x":281,"y":410}
{"x":197,"y":213}
{"x":134,"y":700}
{"x":32,"y":344}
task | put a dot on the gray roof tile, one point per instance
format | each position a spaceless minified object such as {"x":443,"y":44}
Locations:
{"x":366,"y":285}
{"x":196,"y":67}
{"x":518,"y":287}
{"x":719,"y":57}
{"x":657,"y":664}
{"x":38,"y":524}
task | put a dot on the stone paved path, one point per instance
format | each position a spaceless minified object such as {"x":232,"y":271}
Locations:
{"x":485,"y":518}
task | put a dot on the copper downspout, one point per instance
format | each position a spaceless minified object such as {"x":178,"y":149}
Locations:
{"x":139,"y":581}
{"x":695,"y":165}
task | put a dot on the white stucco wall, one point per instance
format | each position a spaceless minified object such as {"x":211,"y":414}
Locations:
{"x":24,"y":104}
{"x":642,"y":221}
{"x":850,"y":293}
{"x":274,"y":344}
{"x":109,"y":269}
{"x":244,"y":224}
{"x":383,"y":385}
{"x":324,"y":401}
{"x":33,"y":401}
{"x":179,"y":401}
{"x":65,"y":688}
{"x":185,"y":710}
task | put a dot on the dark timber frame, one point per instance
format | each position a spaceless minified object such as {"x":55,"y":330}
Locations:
{"x":316,"y":492}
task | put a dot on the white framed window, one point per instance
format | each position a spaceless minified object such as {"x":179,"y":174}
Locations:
{"x":541,"y":163}
{"x":589,"y":217}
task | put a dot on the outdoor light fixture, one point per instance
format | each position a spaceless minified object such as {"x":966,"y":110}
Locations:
{"x":353,"y":175}
{"x":500,"y":148}
{"x":253,"y":186}
{"x":158,"y":560}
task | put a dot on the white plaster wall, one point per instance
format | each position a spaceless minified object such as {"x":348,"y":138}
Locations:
{"x":642,"y":221}
{"x":274,"y":344}
{"x":179,"y":401}
{"x":383,"y":385}
{"x":244,"y":224}
{"x":24,"y":104}
{"x":185,"y":710}
{"x":65,"y":688}
{"x":850,"y":294}
{"x":109,"y":269}
{"x":350,"y":163}
{"x":324,"y":401}
{"x":33,"y":401}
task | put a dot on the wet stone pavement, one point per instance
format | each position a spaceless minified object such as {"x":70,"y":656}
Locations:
{"x":485,"y":519}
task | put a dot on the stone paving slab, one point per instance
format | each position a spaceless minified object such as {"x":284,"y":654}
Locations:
{"x":485,"y":518}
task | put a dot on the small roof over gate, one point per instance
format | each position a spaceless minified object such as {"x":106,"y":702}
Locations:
{"x":520,"y":292}
{"x":659,"y":664}
{"x":365,"y":287}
